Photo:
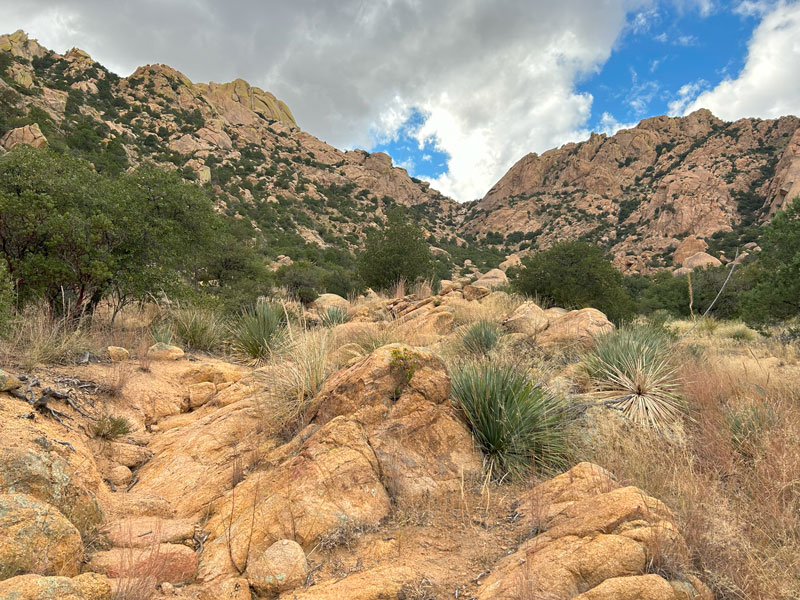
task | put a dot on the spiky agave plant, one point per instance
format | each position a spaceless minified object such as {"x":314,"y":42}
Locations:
{"x":481,"y":337}
{"x":632,"y":368}
{"x":334,"y":315}
{"x":516,"y":422}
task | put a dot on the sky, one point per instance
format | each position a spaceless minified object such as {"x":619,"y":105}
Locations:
{"x":456,"y":91}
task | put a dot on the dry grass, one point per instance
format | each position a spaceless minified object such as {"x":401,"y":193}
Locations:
{"x":36,"y":337}
{"x":732,"y":478}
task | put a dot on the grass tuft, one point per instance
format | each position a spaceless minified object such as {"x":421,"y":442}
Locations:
{"x":516,"y":421}
{"x":199,"y":329}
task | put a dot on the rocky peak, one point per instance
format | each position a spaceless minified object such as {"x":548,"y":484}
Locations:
{"x":20,"y":45}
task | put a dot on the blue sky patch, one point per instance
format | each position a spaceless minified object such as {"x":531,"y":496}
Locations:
{"x":424,"y":160}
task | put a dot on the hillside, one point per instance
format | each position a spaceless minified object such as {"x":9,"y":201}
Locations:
{"x":237,"y":139}
{"x":641,"y":191}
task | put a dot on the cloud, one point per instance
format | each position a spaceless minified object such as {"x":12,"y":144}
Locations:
{"x":686,"y":95}
{"x":767,"y":85}
{"x":495,"y":79}
{"x":609,"y":125}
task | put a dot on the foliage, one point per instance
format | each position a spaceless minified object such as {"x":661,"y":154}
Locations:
{"x":481,"y":337}
{"x":6,"y":299}
{"x":575,"y":274}
{"x":198,"y":328}
{"x":631,"y":368}
{"x":334,"y":315}
{"x":398,"y":251}
{"x":516,"y":422}
{"x":776,"y":295}
{"x":259,"y":331}
{"x":109,"y":427}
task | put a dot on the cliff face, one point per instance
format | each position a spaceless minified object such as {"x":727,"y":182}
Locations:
{"x":239,"y":139}
{"x":638,"y":193}
{"x":644,"y":189}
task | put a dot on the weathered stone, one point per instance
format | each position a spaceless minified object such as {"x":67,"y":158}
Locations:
{"x":527,"y":318}
{"x":36,"y":537}
{"x":8,"y":382}
{"x":492,"y":279}
{"x":701,"y":259}
{"x":475,"y":292}
{"x":174,"y":563}
{"x":89,"y":586}
{"x":29,"y":135}
{"x":144,"y":532}
{"x":200,"y":393}
{"x":118,"y":354}
{"x":161,"y":351}
{"x":576,"y":327}
{"x":326,"y":301}
{"x":280,"y":567}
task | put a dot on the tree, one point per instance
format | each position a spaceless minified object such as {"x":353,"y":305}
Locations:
{"x":398,"y":251}
{"x":575,"y":274}
{"x":776,"y":295}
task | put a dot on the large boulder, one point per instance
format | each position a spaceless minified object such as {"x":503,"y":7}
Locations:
{"x":475,"y":292}
{"x":701,"y":259}
{"x":29,"y":135}
{"x":89,"y":586}
{"x":689,"y":246}
{"x":330,"y":482}
{"x":527,"y":318}
{"x":593,"y":539}
{"x":492,"y":279}
{"x":8,"y":382}
{"x":174,"y":563}
{"x":326,"y":301}
{"x":280,"y":567}
{"x":36,"y":538}
{"x":579,"y":327}
{"x":401,"y":396}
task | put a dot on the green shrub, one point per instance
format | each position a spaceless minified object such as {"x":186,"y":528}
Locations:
{"x":110,"y":427}
{"x":481,"y":337}
{"x":334,"y":315}
{"x":258,"y":332}
{"x":162,"y":332}
{"x":631,"y":368}
{"x":199,"y":329}
{"x":6,"y":299}
{"x":575,"y":274}
{"x":516,"y":421}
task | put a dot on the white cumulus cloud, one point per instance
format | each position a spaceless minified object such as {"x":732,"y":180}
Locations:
{"x":767,"y":86}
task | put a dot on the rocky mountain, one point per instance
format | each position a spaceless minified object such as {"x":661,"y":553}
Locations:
{"x":647,"y":194}
{"x":239,"y":140}
{"x":642,"y":191}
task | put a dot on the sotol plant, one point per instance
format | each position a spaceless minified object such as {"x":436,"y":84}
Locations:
{"x":259,"y":331}
{"x":517,"y":422}
{"x":631,"y":368}
{"x":481,"y":337}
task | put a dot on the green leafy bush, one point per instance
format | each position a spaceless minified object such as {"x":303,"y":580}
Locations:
{"x":481,"y":337}
{"x":398,"y":251}
{"x":631,"y":368}
{"x":258,"y":332}
{"x":575,"y":274}
{"x":517,"y":422}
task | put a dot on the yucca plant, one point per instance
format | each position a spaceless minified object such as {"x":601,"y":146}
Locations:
{"x":258,"y":332}
{"x":516,"y":421}
{"x":631,"y":368}
{"x":199,"y":329}
{"x":334,"y":315}
{"x":162,"y":332}
{"x":481,"y":337}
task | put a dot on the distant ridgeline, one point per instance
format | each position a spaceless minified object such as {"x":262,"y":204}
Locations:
{"x":640,"y":194}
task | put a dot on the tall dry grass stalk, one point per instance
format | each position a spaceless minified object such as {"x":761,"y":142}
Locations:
{"x":37,"y":337}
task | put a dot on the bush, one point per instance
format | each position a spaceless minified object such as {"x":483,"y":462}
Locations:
{"x":398,"y":251}
{"x":481,"y":337}
{"x":199,"y":329}
{"x":6,"y":299}
{"x":631,"y":368}
{"x":575,"y":274}
{"x":110,"y":427}
{"x":259,"y":331}
{"x":515,"y":421}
